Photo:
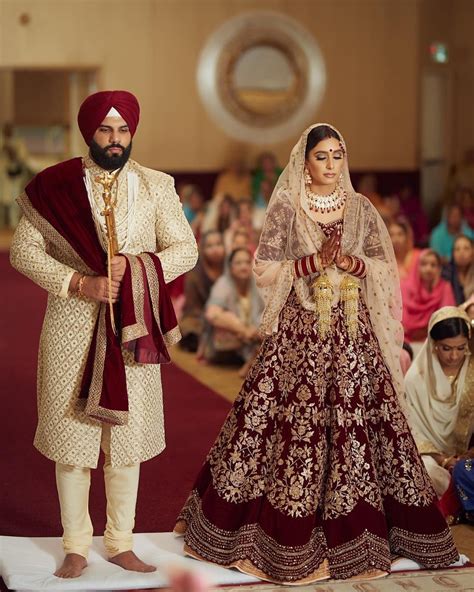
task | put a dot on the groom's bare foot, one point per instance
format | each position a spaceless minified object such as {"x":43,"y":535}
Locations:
{"x":128,"y":560}
{"x":72,"y":566}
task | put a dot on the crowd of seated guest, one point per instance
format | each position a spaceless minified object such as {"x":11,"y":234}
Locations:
{"x":219,"y":307}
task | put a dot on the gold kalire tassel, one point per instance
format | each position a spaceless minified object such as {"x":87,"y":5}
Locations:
{"x":350,"y":298}
{"x":323,"y":295}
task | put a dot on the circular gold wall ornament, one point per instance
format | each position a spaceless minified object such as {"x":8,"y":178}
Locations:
{"x":261,"y":77}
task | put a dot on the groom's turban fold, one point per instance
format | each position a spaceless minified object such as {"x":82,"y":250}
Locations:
{"x":95,"y":108}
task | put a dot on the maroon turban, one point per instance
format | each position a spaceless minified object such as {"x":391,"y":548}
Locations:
{"x":94,"y":110}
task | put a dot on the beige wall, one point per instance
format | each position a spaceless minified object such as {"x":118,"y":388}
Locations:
{"x":463,"y":58}
{"x":48,"y":104}
{"x":453,"y":23}
{"x":151,"y":47}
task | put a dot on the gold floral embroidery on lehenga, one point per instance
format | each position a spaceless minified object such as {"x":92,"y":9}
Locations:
{"x":351,"y":395}
{"x":315,"y":444}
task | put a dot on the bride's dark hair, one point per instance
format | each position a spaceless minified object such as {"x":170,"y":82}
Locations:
{"x":317,"y":134}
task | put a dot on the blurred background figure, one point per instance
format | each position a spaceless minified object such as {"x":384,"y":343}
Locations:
{"x":220,"y":213}
{"x":406,"y":253}
{"x":423,"y":292}
{"x":235,"y":181}
{"x":411,"y":209}
{"x":443,"y":235}
{"x":197,"y":287}
{"x":260,"y":206}
{"x":459,"y":272}
{"x":240,"y":240}
{"x":242,"y":222}
{"x":15,"y":172}
{"x":267,"y":170}
{"x":194,"y":207}
{"x":464,"y":172}
{"x":367,"y":185}
{"x":464,"y":196}
{"x":233,"y":314}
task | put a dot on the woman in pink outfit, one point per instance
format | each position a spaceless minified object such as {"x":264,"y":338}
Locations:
{"x":423,"y":293}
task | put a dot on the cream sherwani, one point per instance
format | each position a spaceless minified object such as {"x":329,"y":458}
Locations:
{"x":149,"y":218}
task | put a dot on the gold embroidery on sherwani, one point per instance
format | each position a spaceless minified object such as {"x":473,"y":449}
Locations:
{"x":64,"y":433}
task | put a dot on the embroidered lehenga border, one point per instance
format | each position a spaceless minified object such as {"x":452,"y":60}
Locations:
{"x":315,"y":473}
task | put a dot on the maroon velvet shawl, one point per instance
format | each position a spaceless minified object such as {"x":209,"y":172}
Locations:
{"x":57,"y":204}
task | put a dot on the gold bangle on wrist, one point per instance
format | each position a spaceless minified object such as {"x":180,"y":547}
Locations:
{"x":445,"y":461}
{"x":80,"y":285}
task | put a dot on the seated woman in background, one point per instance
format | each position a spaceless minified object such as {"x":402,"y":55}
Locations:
{"x":233,"y":314}
{"x":459,"y":272}
{"x":220,"y":213}
{"x":406,"y":254}
{"x":197,"y":287}
{"x":423,"y":293}
{"x":440,"y":399}
{"x":240,"y":240}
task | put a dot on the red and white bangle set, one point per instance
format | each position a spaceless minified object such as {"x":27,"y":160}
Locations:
{"x":356,"y":267}
{"x":309,"y":265}
{"x":306,"y":266}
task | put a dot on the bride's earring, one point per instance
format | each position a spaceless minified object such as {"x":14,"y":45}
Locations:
{"x":339,"y":183}
{"x":307,"y":177}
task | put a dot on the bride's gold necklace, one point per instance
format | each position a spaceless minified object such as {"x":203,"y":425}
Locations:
{"x":325,"y":203}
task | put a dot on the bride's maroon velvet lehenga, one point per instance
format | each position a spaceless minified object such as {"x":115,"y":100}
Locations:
{"x":315,"y":473}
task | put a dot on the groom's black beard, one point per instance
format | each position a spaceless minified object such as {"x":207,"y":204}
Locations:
{"x":109,"y":162}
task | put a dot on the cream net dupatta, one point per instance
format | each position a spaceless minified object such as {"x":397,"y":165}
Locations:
{"x":289,"y":232}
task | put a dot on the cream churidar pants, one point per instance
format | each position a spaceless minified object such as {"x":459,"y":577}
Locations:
{"x":121,"y":487}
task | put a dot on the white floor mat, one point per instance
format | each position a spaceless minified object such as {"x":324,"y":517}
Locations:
{"x":28,"y":564}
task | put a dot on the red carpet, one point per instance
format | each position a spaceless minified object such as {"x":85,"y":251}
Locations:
{"x":28,"y":500}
